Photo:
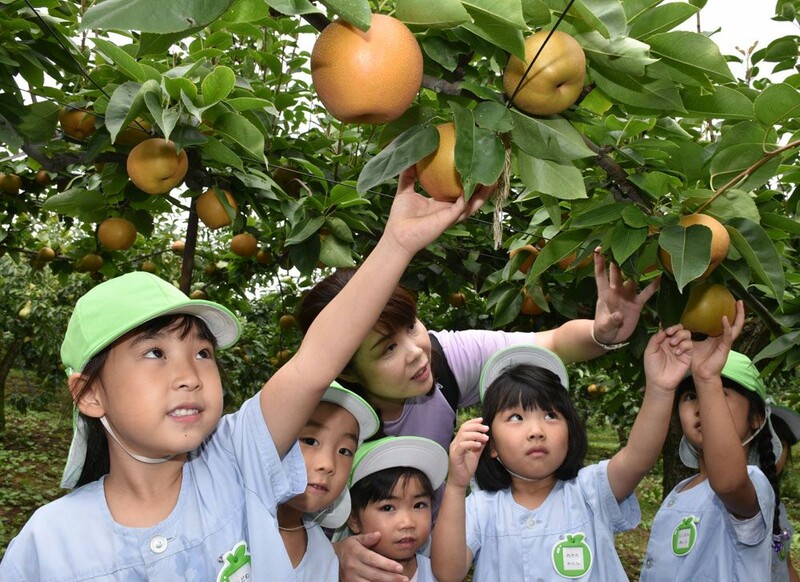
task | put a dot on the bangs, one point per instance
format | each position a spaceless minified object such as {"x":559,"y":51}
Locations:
{"x":400,"y":312}
{"x":516,"y":391}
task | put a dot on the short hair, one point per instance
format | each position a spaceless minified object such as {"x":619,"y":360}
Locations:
{"x":380,"y":484}
{"x":530,"y":387}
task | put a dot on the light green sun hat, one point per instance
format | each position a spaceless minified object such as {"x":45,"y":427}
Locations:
{"x":115,"y":307}
{"x":518,"y":354}
{"x":420,"y":453}
{"x":740,"y":369}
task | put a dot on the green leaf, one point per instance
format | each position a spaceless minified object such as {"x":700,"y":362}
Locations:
{"x":335,"y":253}
{"x":778,"y":347}
{"x":661,"y":19}
{"x":158,"y":44}
{"x":217,"y":85}
{"x":548,"y":138}
{"x":218,"y":151}
{"x":38,"y":123}
{"x":293,"y":7}
{"x":243,"y":132}
{"x":781,"y":223}
{"x":689,"y":249}
{"x":123,"y":107}
{"x":479,"y":154}
{"x":125,"y":62}
{"x":152,"y":15}
{"x":356,"y":12}
{"x":304,"y":229}
{"x":625,"y":241}
{"x":693,"y":53}
{"x":730,"y":162}
{"x":493,"y":116}
{"x":623,"y":55}
{"x":598,"y":213}
{"x":507,"y":302}
{"x":606,"y":17}
{"x":78,"y":202}
{"x":561,"y":181}
{"x":403,"y":152}
{"x":252,"y":103}
{"x":777,"y":103}
{"x":641,"y":92}
{"x":432,"y":13}
{"x":725,"y":103}
{"x":760,"y":254}
{"x":500,"y":22}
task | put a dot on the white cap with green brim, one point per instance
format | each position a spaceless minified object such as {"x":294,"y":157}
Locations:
{"x":112,"y":309}
{"x":337,"y":513}
{"x":521,"y":354}
{"x":790,"y":418}
{"x":389,"y":452}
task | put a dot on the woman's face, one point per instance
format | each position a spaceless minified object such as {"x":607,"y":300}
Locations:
{"x":394,"y":367}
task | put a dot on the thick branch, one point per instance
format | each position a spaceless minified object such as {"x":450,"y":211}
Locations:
{"x":756,"y":306}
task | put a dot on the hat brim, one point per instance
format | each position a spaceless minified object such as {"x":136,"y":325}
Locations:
{"x":368,"y":421}
{"x":515,"y":355}
{"x":790,"y":418}
{"x":404,"y":451}
{"x":336,"y":515}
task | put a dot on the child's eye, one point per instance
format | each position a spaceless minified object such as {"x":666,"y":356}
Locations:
{"x":155,"y":353}
{"x":309,"y":441}
{"x":386,"y":507}
{"x":515,"y":417}
{"x":551,"y":415}
{"x":421,"y":505}
{"x":346,"y":452}
{"x":688,"y":396}
{"x":205,"y":354}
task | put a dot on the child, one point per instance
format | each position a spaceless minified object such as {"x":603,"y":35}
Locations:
{"x":786,"y":424}
{"x":716,"y":525}
{"x":340,"y":422}
{"x":179,"y":491}
{"x":391,"y":488}
{"x":539,"y":513}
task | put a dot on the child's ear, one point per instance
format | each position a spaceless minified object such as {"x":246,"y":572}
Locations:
{"x":492,"y":450}
{"x":353,"y":524}
{"x":87,"y":400}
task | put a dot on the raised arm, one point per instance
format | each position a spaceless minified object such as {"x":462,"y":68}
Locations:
{"x":290,"y":395}
{"x":667,"y":359}
{"x":724,"y":458}
{"x":450,"y":556}
{"x":616,"y":315}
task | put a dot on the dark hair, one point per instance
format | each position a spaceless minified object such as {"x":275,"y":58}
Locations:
{"x":400,"y":311}
{"x":761,"y":443}
{"x":530,"y":387}
{"x":97,"y":462}
{"x":379,"y":485}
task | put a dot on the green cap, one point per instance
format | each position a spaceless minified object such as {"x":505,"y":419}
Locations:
{"x":401,"y":451}
{"x":365,"y":415}
{"x":516,"y":355}
{"x":741,"y":370}
{"x":115,"y":307}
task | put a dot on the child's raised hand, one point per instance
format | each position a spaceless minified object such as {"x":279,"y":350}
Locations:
{"x":711,"y":354}
{"x":465,"y":450}
{"x":668,"y":357}
{"x":416,"y":220}
{"x":618,"y":303}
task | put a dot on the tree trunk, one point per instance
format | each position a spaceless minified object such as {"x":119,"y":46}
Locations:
{"x":5,"y":368}
{"x":674,"y":470}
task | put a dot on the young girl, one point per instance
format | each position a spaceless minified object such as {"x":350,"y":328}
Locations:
{"x":328,"y":441}
{"x":718,"y":524}
{"x":786,"y":423}
{"x":176,"y":490}
{"x":391,"y":488}
{"x":539,"y":513}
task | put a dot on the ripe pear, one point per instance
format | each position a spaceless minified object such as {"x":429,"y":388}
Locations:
{"x":366,"y":77}
{"x":116,"y":234}
{"x":155,"y":165}
{"x":77,"y":123}
{"x":211,"y":211}
{"x":437,"y":173}
{"x":707,"y":303}
{"x":556,"y":78}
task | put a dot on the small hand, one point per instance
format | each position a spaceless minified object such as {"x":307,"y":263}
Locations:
{"x":465,"y":451}
{"x":711,"y":354}
{"x":618,"y":303}
{"x":668,"y":357}
{"x":358,"y":563}
{"x":416,"y":220}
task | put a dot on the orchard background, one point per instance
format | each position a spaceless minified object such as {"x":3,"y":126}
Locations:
{"x":662,"y":129}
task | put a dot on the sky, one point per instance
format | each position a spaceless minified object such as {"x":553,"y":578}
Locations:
{"x":741,"y":23}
